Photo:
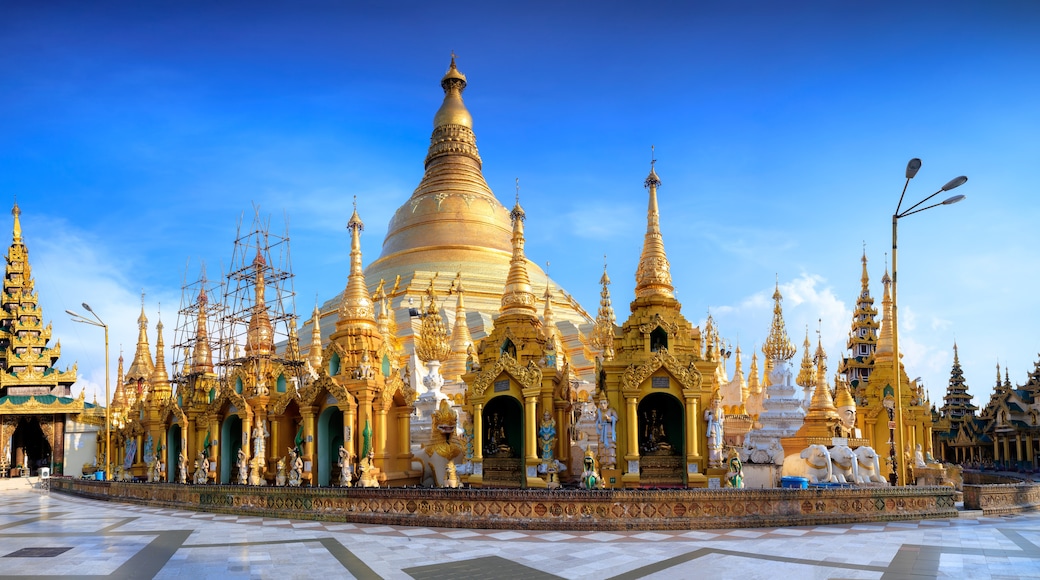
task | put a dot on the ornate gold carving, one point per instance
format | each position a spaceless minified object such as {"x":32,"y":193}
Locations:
{"x":689,"y":377}
{"x":658,"y":321}
{"x":528,"y":377}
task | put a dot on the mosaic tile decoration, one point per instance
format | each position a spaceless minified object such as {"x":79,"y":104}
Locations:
{"x":539,"y":509}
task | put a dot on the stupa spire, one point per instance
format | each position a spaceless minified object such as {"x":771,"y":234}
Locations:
{"x":778,"y":346}
{"x":603,"y":332}
{"x":884,"y":345}
{"x":260,"y":336}
{"x":461,"y":339}
{"x":159,"y":381}
{"x":356,"y":308}
{"x":653,"y":276}
{"x":806,"y":377}
{"x":517,"y":297}
{"x":141,"y":368}
{"x":17,"y":232}
{"x":432,"y":343}
{"x":314,"y":356}
{"x":202,"y":359}
{"x":548,"y":318}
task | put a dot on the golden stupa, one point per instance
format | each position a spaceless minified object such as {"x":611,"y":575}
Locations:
{"x":453,"y":227}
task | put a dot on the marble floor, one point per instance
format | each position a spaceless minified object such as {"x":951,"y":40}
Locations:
{"x":44,"y":534}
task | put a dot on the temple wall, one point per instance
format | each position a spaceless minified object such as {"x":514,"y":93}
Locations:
{"x":532,"y":509}
{"x":996,"y":495}
{"x":80,"y":446}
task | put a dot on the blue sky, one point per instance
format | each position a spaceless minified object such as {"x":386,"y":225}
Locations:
{"x":135,"y":135}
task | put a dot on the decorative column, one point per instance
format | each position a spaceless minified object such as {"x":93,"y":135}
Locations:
{"x":1007,"y":449}
{"x":379,"y":434}
{"x":309,"y":443}
{"x":530,"y":429}
{"x":632,"y":422}
{"x":404,"y":450}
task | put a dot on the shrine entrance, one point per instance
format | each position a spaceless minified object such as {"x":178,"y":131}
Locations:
{"x":29,"y":447}
{"x":330,"y":437}
{"x":503,"y":450}
{"x":173,"y":451}
{"x":230,"y":443}
{"x":661,"y":441}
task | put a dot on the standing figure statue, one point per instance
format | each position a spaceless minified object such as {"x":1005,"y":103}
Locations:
{"x":156,"y":471}
{"x":260,"y":433}
{"x":606,"y":427}
{"x":243,"y":468}
{"x":716,"y":419}
{"x":295,"y":465}
{"x":182,"y":468}
{"x":345,"y":468}
{"x":547,"y":436}
{"x":280,"y":476}
{"x":201,"y":469}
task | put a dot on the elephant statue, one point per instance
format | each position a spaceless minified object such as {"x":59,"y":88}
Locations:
{"x":869,"y":466}
{"x":844,"y":464}
{"x":814,"y":463}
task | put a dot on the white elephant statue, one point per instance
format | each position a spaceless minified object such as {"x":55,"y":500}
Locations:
{"x":845,"y":464}
{"x":814,"y":463}
{"x":869,"y":465}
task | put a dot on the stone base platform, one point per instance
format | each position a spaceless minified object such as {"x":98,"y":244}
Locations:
{"x":539,"y":509}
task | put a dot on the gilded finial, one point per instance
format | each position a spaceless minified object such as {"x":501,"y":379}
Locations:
{"x":17,"y":213}
{"x":653,"y":275}
{"x":778,"y":346}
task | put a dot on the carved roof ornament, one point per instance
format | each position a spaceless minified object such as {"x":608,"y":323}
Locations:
{"x":689,"y":377}
{"x":778,"y":346}
{"x":529,"y":376}
{"x":656,"y":321}
{"x":356,"y":307}
{"x":653,"y":276}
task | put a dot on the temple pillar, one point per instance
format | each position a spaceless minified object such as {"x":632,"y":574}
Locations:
{"x":630,"y":476}
{"x":309,"y":442}
{"x":477,"y":477}
{"x":530,"y":430}
{"x":404,"y":428}
{"x":1029,"y":448}
{"x":379,"y":434}
{"x":1007,"y":449}
{"x":1018,"y":447}
{"x":349,"y":428}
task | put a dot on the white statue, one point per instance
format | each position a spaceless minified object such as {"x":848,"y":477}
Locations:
{"x":606,"y":427}
{"x":345,"y":467}
{"x":260,"y":432}
{"x":295,"y":465}
{"x":201,"y":469}
{"x":243,"y":468}
{"x":919,"y":457}
{"x":814,"y":463}
{"x":716,"y":420}
{"x":869,"y":466}
{"x":845,"y":464}
{"x":182,"y":468}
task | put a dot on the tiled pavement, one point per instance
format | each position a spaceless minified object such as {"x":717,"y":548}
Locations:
{"x":52,"y":534}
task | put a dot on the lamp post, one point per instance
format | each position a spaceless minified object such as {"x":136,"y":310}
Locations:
{"x":108,"y":406}
{"x":911,"y":171}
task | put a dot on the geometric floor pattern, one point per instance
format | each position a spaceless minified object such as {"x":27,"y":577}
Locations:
{"x":54,"y":535}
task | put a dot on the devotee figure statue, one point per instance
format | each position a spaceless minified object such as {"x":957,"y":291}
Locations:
{"x":243,"y":468}
{"x":280,"y":476}
{"x":182,"y":468}
{"x":295,"y":465}
{"x":345,"y":467}
{"x":735,"y":475}
{"x":201,"y":469}
{"x":547,"y":436}
{"x":716,"y":423}
{"x":606,"y":429}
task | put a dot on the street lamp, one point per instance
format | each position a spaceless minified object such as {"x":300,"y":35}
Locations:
{"x":911,"y":171}
{"x":76,"y":317}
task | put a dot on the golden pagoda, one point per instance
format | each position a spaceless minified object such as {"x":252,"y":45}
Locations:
{"x":36,"y":403}
{"x":453,"y":223}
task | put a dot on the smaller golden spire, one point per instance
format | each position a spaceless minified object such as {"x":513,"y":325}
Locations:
{"x":603,"y":331}
{"x":17,"y":213}
{"x":517,"y":297}
{"x":356,"y":307}
{"x":548,"y":319}
{"x":806,"y":377}
{"x":754,"y":386}
{"x":202,"y":361}
{"x":653,"y":276}
{"x":844,"y":396}
{"x":461,"y":339}
{"x":159,"y":381}
{"x":778,"y":346}
{"x":314,"y":355}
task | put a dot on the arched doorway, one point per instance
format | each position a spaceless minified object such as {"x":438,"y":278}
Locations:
{"x":29,"y":446}
{"x":662,"y":436}
{"x":330,"y":437}
{"x":230,"y":443}
{"x":173,"y":451}
{"x":503,"y":445}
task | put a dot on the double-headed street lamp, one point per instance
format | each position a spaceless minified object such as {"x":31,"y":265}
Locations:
{"x":76,"y":317}
{"x":911,"y":171}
